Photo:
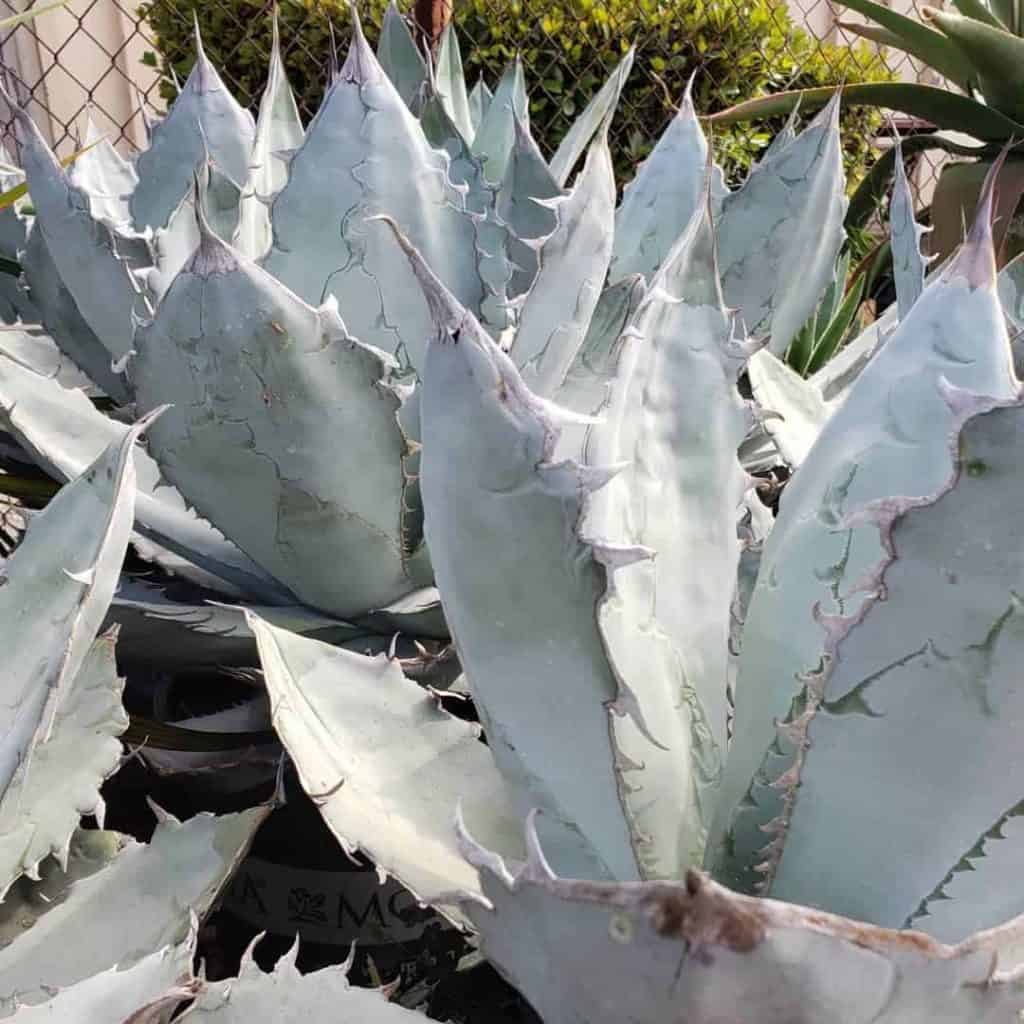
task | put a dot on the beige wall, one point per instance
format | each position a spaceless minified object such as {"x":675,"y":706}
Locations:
{"x":89,"y":50}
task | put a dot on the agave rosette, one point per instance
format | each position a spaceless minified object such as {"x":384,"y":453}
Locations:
{"x":409,"y":370}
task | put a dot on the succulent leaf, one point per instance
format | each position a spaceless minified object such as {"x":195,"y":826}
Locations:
{"x":995,"y":57}
{"x":264,"y":387}
{"x":157,"y":886}
{"x":223,"y":205}
{"x":665,"y":625}
{"x":889,"y":438}
{"x":204,"y":123}
{"x":908,"y":262}
{"x":95,"y":260}
{"x":118,"y":994}
{"x":695,"y":951}
{"x":523,"y":202}
{"x":323,"y":243}
{"x":945,"y":109}
{"x":660,"y":201}
{"x":495,"y":255}
{"x":479,"y":101}
{"x":57,"y":311}
{"x":795,"y":410}
{"x":279,"y":131}
{"x":789,"y":212}
{"x":489,"y":485}
{"x":978,"y":887}
{"x":594,"y":118}
{"x":400,"y":57}
{"x":572,"y":266}
{"x":496,"y":134}
{"x":450,"y":82}
{"x":60,"y":780}
{"x":57,"y":586}
{"x":255,"y":997}
{"x":956,"y":559}
{"x":385,"y":764}
{"x":102,"y":174}
{"x":64,"y":433}
{"x":173,"y":629}
{"x":919,"y":40}
{"x":585,"y":389}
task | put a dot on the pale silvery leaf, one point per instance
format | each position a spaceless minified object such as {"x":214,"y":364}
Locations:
{"x":794,"y":411}
{"x":836,"y":377}
{"x":57,"y":311}
{"x":181,"y":630}
{"x":400,"y":57}
{"x":204,"y":122}
{"x":694,"y":951}
{"x":155,"y":886}
{"x":94,"y":259}
{"x":252,"y":762}
{"x":501,"y":523}
{"x":666,"y":620}
{"x":595,"y":116}
{"x":572,"y":266}
{"x":522,"y":202}
{"x":64,"y":433}
{"x":418,"y":613}
{"x":889,"y":438}
{"x":285,"y":995}
{"x":479,"y":101}
{"x":496,"y":133}
{"x":27,"y":900}
{"x":787,"y":215}
{"x":34,"y":349}
{"x":283,"y":432}
{"x":450,"y":81}
{"x":278,"y":131}
{"x":586,"y":385}
{"x":106,"y":178}
{"x":1011,"y":294}
{"x":57,"y":586}
{"x":121,"y":994}
{"x":660,"y":201}
{"x":384,"y":763}
{"x":945,"y":642}
{"x":223,"y":206}
{"x":15,"y":304}
{"x":980,"y":886}
{"x":908,"y":263}
{"x":495,"y":255}
{"x":60,"y":780}
{"x":379,"y":163}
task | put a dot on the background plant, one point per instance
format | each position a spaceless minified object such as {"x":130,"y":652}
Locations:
{"x":568,"y":48}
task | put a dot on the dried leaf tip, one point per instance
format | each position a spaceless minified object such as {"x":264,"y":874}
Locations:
{"x":446,"y":311}
{"x":213,"y":255}
{"x":360,"y":65}
{"x":976,"y":260}
{"x":204,"y":72}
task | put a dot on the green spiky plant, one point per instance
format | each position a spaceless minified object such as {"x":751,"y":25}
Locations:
{"x":522,"y":404}
{"x":978,"y":51}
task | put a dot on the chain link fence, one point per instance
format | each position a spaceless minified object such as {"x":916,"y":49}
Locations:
{"x":102,"y":57}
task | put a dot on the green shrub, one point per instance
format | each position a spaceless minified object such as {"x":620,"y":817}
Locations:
{"x":741,"y":48}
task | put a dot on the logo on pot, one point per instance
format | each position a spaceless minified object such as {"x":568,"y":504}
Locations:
{"x":329,"y":907}
{"x":305,"y":907}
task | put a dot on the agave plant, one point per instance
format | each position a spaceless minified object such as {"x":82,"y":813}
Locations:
{"x":977,"y":51}
{"x":223,"y":273}
{"x":409,"y":372}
